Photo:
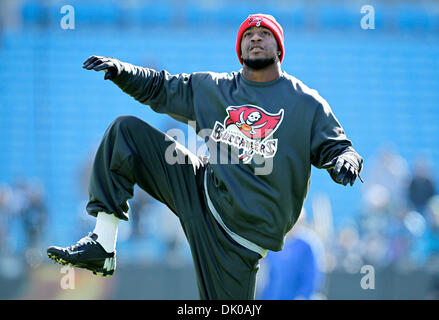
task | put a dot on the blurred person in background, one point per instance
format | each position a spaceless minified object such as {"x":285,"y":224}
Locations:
{"x":30,"y":206}
{"x":421,"y":187}
{"x":433,"y":227}
{"x":298,"y":271}
{"x":347,"y":249}
{"x":394,"y":227}
{"x":389,"y":172}
{"x":384,"y":237}
{"x":425,"y":250}
{"x":35,"y":216}
{"x":5,"y":217}
{"x":139,"y":206}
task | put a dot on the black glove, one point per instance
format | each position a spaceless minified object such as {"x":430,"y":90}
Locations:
{"x":110,"y":65}
{"x":345,"y":168}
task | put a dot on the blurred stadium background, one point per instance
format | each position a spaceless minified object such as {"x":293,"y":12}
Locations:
{"x":382,"y":83}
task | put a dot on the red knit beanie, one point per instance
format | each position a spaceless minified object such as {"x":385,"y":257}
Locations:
{"x":261,"y":20}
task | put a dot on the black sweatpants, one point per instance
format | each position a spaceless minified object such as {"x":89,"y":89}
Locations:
{"x":133,"y":152}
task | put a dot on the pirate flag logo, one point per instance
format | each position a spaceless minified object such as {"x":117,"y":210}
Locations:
{"x":249,"y":128}
{"x":258,"y":20}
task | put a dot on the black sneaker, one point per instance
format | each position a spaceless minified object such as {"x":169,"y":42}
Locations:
{"x":87,"y":254}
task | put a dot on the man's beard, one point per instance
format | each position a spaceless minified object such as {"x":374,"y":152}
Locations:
{"x":258,"y":64}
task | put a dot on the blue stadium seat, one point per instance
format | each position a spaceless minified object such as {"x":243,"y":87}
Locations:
{"x":34,"y":12}
{"x":416,"y":18}
{"x":338,"y":16}
{"x":151,"y":14}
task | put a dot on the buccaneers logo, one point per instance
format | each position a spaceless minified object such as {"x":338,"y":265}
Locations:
{"x":255,"y":19}
{"x":249,"y":128}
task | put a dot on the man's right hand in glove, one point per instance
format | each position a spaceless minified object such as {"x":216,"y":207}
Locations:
{"x":111,"y":66}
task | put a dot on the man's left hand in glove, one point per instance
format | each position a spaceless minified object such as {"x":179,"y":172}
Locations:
{"x":345,"y":168}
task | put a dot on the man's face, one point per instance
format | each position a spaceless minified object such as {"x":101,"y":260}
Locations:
{"x":259,"y":47}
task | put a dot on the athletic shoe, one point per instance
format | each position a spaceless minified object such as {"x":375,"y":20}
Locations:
{"x":88,"y":254}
